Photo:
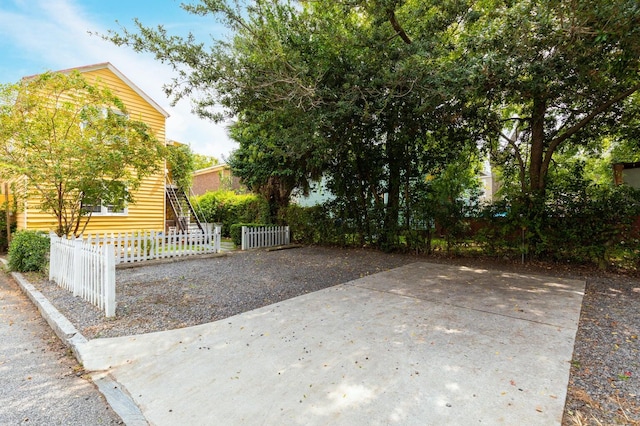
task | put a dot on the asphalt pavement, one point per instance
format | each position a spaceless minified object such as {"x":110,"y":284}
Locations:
{"x":41,"y":382}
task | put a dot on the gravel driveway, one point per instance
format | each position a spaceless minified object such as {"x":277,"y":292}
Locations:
{"x":605,"y":371}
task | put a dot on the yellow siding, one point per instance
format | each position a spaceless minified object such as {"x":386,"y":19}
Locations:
{"x":137,"y":108}
{"x":148,"y":210}
{"x":146,"y":213}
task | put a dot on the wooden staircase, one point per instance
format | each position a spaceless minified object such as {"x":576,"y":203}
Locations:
{"x":186,"y":218}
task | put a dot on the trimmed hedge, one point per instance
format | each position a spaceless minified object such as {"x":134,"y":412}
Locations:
{"x":236,"y":231}
{"x":227,"y":207}
{"x":29,"y":251}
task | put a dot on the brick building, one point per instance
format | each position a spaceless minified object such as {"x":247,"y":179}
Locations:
{"x":215,"y":178}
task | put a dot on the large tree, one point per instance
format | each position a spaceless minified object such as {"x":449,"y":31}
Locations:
{"x":356,"y":89}
{"x":548,"y":75}
{"x":72,"y":145}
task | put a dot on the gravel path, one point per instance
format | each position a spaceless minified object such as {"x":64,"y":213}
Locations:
{"x":41,"y":381}
{"x":605,"y":371}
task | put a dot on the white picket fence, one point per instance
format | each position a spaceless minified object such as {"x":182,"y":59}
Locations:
{"x":86,"y":269}
{"x":87,"y":266}
{"x":264,"y":236}
{"x":148,"y":245}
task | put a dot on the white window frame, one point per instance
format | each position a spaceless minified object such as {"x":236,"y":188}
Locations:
{"x":105,"y":210}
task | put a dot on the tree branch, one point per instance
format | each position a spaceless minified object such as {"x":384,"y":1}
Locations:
{"x":397,"y":27}
{"x":553,"y":145}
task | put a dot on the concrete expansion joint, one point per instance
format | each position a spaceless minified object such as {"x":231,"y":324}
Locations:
{"x":441,"y":302}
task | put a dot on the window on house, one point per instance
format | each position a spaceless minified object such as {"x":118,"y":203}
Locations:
{"x":104,"y":210}
{"x":104,"y":207}
{"x":104,"y":114}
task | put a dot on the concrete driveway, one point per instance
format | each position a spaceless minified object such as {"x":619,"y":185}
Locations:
{"x":423,"y":344}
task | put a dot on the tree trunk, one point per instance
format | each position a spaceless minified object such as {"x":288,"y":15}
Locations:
{"x":537,"y":176}
{"x":392,"y":214}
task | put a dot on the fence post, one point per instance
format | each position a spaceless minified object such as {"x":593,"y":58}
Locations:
{"x":109,"y":280}
{"x":77,"y":266}
{"x":243,"y":245}
{"x":53,"y":261}
{"x":217,"y":235}
{"x":287,"y":239}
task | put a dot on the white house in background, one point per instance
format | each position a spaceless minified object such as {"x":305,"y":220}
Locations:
{"x":319,"y":193}
{"x":489,"y":183}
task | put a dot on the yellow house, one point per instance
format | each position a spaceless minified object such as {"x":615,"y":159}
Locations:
{"x":148,"y":210}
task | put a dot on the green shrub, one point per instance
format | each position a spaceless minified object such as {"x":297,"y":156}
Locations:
{"x":590,"y":224}
{"x":28,"y":251}
{"x":308,"y":225}
{"x":236,"y":231}
{"x":227,"y":207}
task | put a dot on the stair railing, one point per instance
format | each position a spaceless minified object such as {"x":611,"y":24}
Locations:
{"x":176,"y":199}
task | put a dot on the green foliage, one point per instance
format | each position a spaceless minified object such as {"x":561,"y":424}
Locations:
{"x":583,"y":223}
{"x":534,"y":85}
{"x":262,"y":160}
{"x":201,"y":161}
{"x":236,"y":231}
{"x":74,"y":144}
{"x":227,"y":207}
{"x":180,"y":160}
{"x":590,"y":225}
{"x":453,"y":198}
{"x":28,"y":251}
{"x":376,"y":95}
{"x":311,"y":225}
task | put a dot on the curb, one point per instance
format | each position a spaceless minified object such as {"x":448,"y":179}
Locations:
{"x":120,"y":402}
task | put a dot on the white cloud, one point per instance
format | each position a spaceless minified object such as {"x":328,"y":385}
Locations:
{"x":53,"y":34}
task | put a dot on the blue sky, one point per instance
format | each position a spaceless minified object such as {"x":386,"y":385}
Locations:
{"x":41,"y":35}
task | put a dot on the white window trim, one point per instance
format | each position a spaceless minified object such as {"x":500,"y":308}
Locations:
{"x":104,"y":211}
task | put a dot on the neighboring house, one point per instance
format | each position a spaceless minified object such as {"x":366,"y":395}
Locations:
{"x":489,"y":183}
{"x":148,"y":211}
{"x":319,"y":193}
{"x":215,"y":178}
{"x":628,"y":173}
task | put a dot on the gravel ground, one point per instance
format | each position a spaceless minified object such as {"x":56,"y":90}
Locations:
{"x":42,"y":383}
{"x":604,"y":386}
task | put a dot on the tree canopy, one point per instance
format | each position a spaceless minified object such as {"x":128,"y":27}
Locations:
{"x":74,"y":145}
{"x":376,"y":94}
{"x":550,"y":75}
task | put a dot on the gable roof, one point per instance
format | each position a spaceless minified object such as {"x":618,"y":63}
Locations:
{"x":114,"y":70}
